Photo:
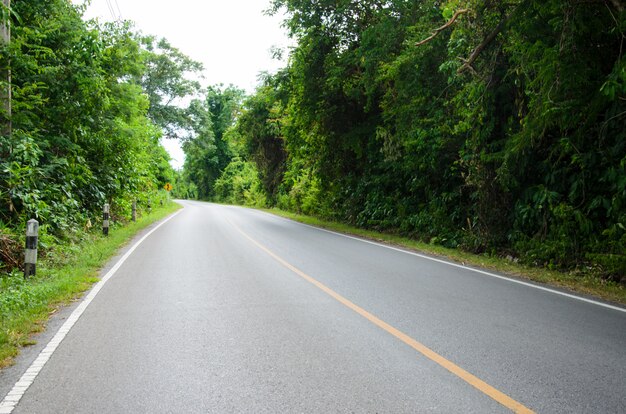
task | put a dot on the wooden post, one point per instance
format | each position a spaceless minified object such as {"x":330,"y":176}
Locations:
{"x":5,"y":93}
{"x":134,"y":216}
{"x":30,"y":254}
{"x":105,"y":220}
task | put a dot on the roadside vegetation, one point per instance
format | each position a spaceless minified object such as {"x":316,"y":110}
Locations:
{"x":584,"y":282}
{"x":484,"y":129}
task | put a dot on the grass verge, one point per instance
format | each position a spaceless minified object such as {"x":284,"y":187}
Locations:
{"x":578,"y":282}
{"x":26,"y":305}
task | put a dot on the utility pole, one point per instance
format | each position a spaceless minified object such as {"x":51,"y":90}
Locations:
{"x":5,"y":38}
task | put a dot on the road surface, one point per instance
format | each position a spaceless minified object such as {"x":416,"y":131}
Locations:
{"x":224,"y":309}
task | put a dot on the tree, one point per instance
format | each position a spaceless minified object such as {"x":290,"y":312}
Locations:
{"x":494,"y":126}
{"x":81,"y":132}
{"x":207,"y":152}
{"x":259,"y":126}
{"x":166,"y":81}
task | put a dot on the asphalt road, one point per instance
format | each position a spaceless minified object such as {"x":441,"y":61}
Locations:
{"x":224,"y":309}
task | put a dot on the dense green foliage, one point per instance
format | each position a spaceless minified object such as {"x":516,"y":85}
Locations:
{"x":90,"y":103}
{"x":207,"y":152}
{"x":502,"y":133}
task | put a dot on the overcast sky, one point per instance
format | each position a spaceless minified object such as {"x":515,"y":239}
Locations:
{"x":232,"y":38}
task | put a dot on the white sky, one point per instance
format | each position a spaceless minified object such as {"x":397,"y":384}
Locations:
{"x":232,"y":38}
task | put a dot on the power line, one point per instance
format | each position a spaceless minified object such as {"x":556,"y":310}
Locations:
{"x":119,"y":11}
{"x":110,"y":8}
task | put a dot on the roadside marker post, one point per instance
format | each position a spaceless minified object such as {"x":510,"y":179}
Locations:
{"x":105,"y":220}
{"x":30,"y":253}
{"x":134,"y":217}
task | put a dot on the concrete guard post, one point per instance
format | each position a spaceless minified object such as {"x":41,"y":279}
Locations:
{"x":105,"y":220}
{"x":30,"y":254}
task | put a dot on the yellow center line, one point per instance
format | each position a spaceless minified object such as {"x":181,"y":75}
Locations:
{"x":474,"y":381}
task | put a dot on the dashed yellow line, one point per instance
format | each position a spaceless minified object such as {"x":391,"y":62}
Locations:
{"x":474,"y":381}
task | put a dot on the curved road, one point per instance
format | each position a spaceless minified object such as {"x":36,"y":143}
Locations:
{"x":224,"y":309}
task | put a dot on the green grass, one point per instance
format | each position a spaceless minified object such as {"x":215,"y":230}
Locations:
{"x":585,"y":283}
{"x":26,"y":305}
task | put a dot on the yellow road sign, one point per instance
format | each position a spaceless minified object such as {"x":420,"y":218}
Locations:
{"x":168,"y":187}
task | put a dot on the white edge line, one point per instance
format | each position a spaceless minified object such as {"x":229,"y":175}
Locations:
{"x":519,"y":282}
{"x":11,"y":400}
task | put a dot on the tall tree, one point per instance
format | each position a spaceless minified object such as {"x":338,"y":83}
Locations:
{"x":167,"y":82}
{"x":81,"y":131}
{"x":207,"y":152}
{"x":490,"y":125}
{"x":259,"y":124}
